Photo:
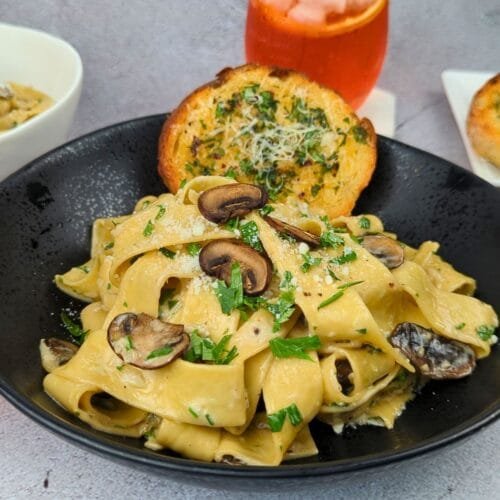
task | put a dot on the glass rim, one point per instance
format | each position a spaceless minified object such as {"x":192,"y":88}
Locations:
{"x":345,"y":25}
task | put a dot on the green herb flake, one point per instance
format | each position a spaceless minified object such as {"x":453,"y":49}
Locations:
{"x":250,"y":235}
{"x":109,"y":246}
{"x":360,"y":134}
{"x":166,"y":295}
{"x":120,"y":367}
{"x":209,"y":419}
{"x":148,"y":229}
{"x":129,"y":345}
{"x":284,"y":307}
{"x":362,"y":331}
{"x":169,"y":254}
{"x":294,"y":348}
{"x":277,"y":420}
{"x":460,"y":326}
{"x":84,"y":268}
{"x":330,"y":239}
{"x":364,"y":222}
{"x":294,"y":415}
{"x":347,"y":256}
{"x":193,"y":249}
{"x":230,"y":173}
{"x":190,"y":410}
{"x":332,"y":298}
{"x":266,"y":210}
{"x":309,"y":261}
{"x":315,"y":189}
{"x":349,"y":284}
{"x":485,"y":332}
{"x":204,"y":349}
{"x":183,"y":183}
{"x":161,"y":212}
{"x":230,"y":297}
{"x":73,"y":328}
{"x":172,"y":303}
{"x":158,"y":353}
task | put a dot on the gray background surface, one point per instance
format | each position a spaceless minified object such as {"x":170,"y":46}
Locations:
{"x":141,"y":58}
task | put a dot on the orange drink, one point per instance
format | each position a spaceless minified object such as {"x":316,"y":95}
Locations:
{"x":343,"y":51}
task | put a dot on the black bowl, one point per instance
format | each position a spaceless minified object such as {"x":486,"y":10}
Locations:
{"x":46,"y":210}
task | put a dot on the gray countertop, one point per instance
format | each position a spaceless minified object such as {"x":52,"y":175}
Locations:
{"x":142,"y":57}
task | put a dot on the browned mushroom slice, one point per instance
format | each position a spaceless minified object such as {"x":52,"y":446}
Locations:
{"x":387,"y":250}
{"x":432,"y":355}
{"x":221,"y":203}
{"x":56,"y":352}
{"x":217,"y":257}
{"x":293,"y":231}
{"x":146,"y":342}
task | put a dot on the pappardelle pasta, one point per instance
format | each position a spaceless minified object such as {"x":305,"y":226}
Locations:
{"x":222,"y":337}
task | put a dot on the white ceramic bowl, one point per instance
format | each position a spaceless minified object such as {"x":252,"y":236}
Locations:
{"x":48,"y":64}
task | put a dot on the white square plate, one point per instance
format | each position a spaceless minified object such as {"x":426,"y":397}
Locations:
{"x":460,"y":87}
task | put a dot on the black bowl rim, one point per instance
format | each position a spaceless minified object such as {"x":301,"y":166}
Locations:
{"x":168,"y":463}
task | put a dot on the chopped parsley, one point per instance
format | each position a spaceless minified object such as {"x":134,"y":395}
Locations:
{"x":230,"y":173}
{"x":330,"y":239}
{"x":170,"y":254}
{"x":158,"y":353}
{"x":209,"y":419}
{"x":183,"y":183}
{"x":109,"y":246}
{"x":362,"y":331}
{"x":315,"y":189}
{"x":347,"y":256}
{"x":309,"y":261}
{"x":266,"y":210}
{"x":364,"y":222}
{"x":84,"y":268}
{"x":294,"y":348}
{"x":148,"y":229}
{"x":73,"y":328}
{"x":332,"y":298}
{"x":193,"y":249}
{"x":203,"y":349}
{"x":250,"y":235}
{"x":129,"y":345}
{"x":230,"y":297}
{"x":190,"y":410}
{"x":161,"y":212}
{"x":460,"y":326}
{"x":485,"y":332}
{"x":276,"y":420}
{"x":360,"y":134}
{"x":284,"y":307}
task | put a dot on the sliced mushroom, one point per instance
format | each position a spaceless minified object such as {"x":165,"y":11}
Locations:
{"x":221,"y":203}
{"x":432,"y":355}
{"x":56,"y":352}
{"x":146,"y":342}
{"x":293,"y":231}
{"x":387,"y":250}
{"x":217,"y":257}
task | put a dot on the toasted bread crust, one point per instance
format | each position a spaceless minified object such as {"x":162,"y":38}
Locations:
{"x":483,"y":121}
{"x":339,"y":189}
